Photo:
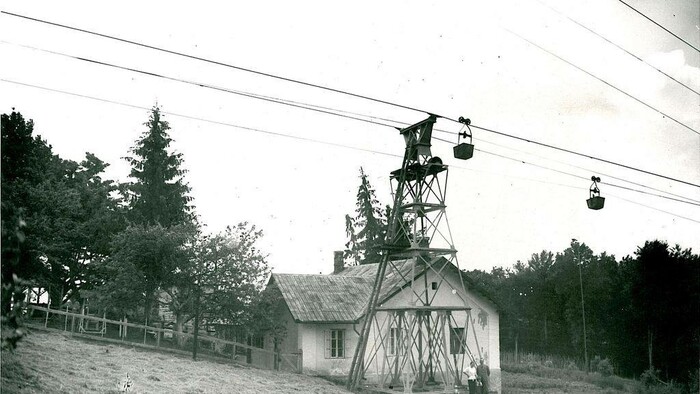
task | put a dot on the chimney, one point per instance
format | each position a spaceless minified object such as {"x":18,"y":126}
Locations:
{"x":338,"y":263}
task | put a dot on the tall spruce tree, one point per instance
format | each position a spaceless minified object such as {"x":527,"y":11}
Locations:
{"x":367,"y":230}
{"x":158,"y":201}
{"x":159,"y":195}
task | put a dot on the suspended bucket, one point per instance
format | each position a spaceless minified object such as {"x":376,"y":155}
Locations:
{"x":464,"y":151}
{"x":595,"y":201}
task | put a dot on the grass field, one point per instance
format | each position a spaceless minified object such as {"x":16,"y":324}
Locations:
{"x":49,"y":362}
{"x":54,"y":363}
{"x":536,"y":378}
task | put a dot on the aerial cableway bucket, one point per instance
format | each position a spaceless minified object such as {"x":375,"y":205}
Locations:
{"x":595,"y":201}
{"x":464,"y":151}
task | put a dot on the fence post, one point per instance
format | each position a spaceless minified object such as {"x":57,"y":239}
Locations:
{"x":300,"y":361}
{"x":126,"y":320}
{"x":158,"y":334}
{"x":48,"y":306}
{"x":65,"y":323}
{"x":276,"y":355}
{"x":145,"y":331}
{"x":72,"y":323}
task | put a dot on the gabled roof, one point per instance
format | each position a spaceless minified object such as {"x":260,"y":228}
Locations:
{"x":343,"y":297}
{"x":324,"y":298}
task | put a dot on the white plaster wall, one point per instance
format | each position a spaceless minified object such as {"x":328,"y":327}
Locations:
{"x":312,"y":343}
{"x":483,"y":328}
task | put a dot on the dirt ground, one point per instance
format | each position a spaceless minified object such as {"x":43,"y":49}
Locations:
{"x":53,"y":363}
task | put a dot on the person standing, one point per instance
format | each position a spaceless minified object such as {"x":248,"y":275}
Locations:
{"x":483,"y":372}
{"x":471,"y":377}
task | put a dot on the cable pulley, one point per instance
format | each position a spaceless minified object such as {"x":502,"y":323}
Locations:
{"x":464,"y":151}
{"x":595,"y":201}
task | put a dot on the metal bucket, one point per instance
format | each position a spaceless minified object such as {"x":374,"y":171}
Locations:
{"x":596,"y":202}
{"x":463,"y":151}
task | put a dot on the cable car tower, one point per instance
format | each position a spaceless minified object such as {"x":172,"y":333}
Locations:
{"x":409,"y":339}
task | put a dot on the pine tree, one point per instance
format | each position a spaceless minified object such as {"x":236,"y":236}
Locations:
{"x":158,"y":202}
{"x":367,"y":230}
{"x":159,"y":195}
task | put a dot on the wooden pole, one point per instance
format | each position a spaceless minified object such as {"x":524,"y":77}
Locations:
{"x":196,"y":327}
{"x":48,"y":306}
{"x":145,"y":331}
{"x":300,"y":361}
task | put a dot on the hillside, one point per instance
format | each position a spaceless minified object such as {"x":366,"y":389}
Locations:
{"x":49,"y":362}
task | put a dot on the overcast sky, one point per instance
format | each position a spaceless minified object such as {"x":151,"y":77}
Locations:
{"x":452,"y":58}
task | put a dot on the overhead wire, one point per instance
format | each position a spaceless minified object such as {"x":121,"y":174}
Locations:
{"x":198,"y":84}
{"x":294,"y":104}
{"x":218,"y":63}
{"x":585,"y":155}
{"x":258,"y":130}
{"x":659,"y":25}
{"x":616,"y":45}
{"x":346,"y":92}
{"x":591,"y":171}
{"x":603,"y":81}
{"x":200,"y":118}
{"x":656,"y":209}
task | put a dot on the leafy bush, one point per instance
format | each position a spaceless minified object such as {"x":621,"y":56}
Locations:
{"x":650,"y":377}
{"x":594,"y":363}
{"x":604,"y":367}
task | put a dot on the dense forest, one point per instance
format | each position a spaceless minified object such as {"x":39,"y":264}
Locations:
{"x":641,"y":312}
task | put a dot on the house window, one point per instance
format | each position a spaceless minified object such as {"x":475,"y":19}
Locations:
{"x":394,"y":340}
{"x":335,"y":343}
{"x":434,"y":285}
{"x":458,"y":344}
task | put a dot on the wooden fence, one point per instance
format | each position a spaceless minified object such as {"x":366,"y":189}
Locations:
{"x":150,"y":336}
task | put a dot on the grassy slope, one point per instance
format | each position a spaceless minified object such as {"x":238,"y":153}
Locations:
{"x":48,"y":362}
{"x":539,"y":379}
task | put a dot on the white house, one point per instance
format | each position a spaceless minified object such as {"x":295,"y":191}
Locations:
{"x":323,"y":315}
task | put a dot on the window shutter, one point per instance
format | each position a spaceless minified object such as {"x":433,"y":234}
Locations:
{"x":341,"y":344}
{"x":327,"y":338}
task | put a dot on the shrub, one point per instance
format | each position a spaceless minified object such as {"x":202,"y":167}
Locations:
{"x":594,"y":363}
{"x":650,"y":377}
{"x":549,"y":364}
{"x":604,"y":367}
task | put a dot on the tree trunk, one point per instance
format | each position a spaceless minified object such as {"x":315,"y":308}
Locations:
{"x":196,"y":327}
{"x":650,"y":341}
{"x":179,"y":324}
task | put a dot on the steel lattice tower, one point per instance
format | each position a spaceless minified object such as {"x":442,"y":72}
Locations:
{"x":410,"y":343}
